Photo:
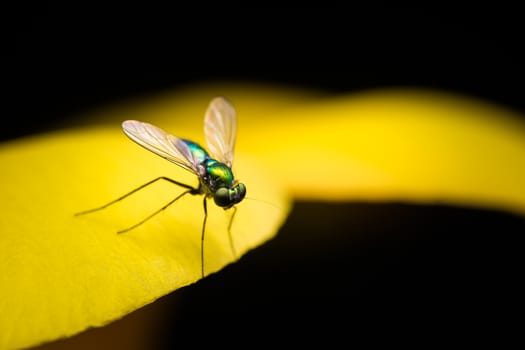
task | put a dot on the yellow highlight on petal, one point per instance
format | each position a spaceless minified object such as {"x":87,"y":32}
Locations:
{"x":408,"y":145}
{"x":63,"y":273}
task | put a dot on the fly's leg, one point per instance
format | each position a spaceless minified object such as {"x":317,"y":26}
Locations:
{"x":230,"y":232}
{"x":155,"y":213}
{"x":202,"y":235}
{"x":189,"y":190}
{"x":232,"y":247}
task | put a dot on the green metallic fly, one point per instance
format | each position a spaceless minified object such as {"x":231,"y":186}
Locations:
{"x":214,"y":169}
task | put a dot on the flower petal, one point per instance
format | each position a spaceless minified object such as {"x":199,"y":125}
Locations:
{"x":63,"y":273}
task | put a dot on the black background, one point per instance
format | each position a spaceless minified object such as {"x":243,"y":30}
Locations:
{"x":340,"y":272}
{"x":67,"y":59}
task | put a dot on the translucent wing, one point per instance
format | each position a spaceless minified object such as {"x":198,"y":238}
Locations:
{"x":161,"y":143}
{"x":220,"y":128}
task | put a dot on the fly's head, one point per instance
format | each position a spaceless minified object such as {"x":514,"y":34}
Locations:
{"x":227,"y":197}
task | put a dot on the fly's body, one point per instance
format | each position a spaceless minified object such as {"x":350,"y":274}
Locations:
{"x":213,"y":168}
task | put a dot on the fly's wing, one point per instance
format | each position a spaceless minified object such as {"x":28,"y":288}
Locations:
{"x":161,"y":143}
{"x":220,"y":128}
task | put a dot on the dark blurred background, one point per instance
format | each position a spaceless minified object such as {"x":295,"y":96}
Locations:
{"x":63,"y":60}
{"x":336,"y":272}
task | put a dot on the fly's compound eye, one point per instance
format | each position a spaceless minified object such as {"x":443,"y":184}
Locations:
{"x":238,"y":193}
{"x":222,"y":197}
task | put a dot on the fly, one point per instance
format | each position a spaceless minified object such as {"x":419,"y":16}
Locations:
{"x":213,"y":168}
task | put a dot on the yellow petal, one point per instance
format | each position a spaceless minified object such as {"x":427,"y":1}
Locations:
{"x":62,"y":274}
{"x":395,"y":145}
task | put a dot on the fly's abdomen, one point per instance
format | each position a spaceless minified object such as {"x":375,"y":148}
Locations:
{"x":198,"y":153}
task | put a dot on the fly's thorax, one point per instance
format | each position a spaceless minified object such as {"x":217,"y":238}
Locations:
{"x":218,"y":175}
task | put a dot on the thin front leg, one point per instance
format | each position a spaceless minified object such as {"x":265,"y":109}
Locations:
{"x":202,"y":235}
{"x":190,"y":188}
{"x":230,"y":232}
